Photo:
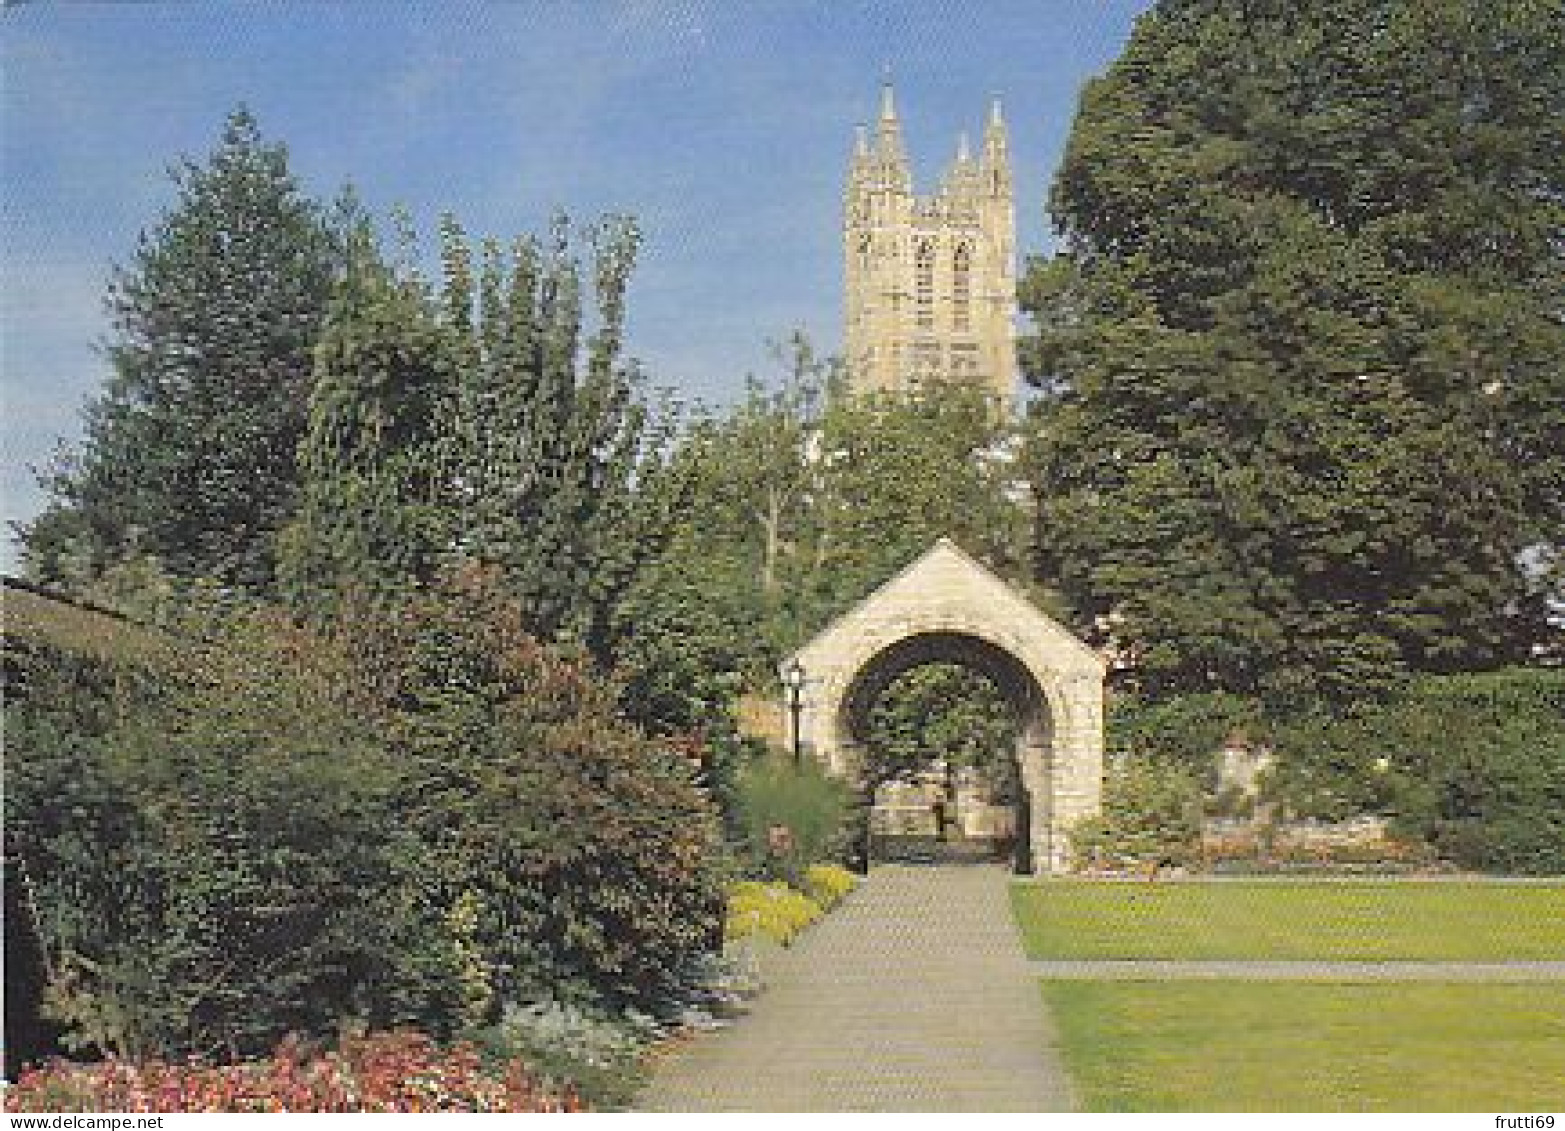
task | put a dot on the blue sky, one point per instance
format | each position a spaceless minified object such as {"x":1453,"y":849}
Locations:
{"x":723,"y":126}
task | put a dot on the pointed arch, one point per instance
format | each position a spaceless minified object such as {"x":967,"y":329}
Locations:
{"x":962,"y":286}
{"x":924,"y":282}
{"x":945,"y":606}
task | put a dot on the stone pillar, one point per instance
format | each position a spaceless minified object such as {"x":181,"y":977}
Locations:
{"x":1076,"y":767}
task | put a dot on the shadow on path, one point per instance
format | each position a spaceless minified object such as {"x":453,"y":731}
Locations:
{"x":913,"y":996}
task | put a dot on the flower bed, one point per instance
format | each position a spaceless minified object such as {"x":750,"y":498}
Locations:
{"x":828,"y":884}
{"x":780,"y":912}
{"x":1307,"y":850}
{"x":401,"y":1071}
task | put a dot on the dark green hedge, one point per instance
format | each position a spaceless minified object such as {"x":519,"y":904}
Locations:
{"x":414,"y":820}
{"x":1472,"y":765}
{"x":1478,"y":768}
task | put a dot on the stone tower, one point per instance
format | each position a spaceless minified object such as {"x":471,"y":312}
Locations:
{"x":930,"y":280}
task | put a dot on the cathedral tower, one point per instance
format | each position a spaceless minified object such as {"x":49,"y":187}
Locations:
{"x":930,"y":280}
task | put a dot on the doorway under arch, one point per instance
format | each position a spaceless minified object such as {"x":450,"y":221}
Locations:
{"x":956,"y":795}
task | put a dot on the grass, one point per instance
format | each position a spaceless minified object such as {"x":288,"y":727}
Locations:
{"x":1286,"y":1046}
{"x":1454,"y":921}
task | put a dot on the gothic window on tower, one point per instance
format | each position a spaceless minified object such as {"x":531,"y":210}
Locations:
{"x":964,"y":360}
{"x":962,"y":287}
{"x":924,"y":283}
{"x":863,"y":250}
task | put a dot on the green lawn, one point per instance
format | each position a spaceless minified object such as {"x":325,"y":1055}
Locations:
{"x":1288,"y":1046}
{"x":1302,"y":920}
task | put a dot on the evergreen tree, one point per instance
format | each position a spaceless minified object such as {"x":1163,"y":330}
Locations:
{"x":370,"y":526}
{"x":189,"y":455}
{"x":475,"y":421}
{"x":553,"y":459}
{"x":1304,"y":343}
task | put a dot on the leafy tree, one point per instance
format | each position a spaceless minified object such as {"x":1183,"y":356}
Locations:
{"x":680,"y":667}
{"x":771,"y":487}
{"x":895,"y":474}
{"x":682,"y":657}
{"x":556,"y":461}
{"x":474,"y":421}
{"x":802,"y":500}
{"x":370,"y":525}
{"x":748,"y":477}
{"x":1304,"y":347}
{"x":189,"y":454}
{"x":941,"y":712}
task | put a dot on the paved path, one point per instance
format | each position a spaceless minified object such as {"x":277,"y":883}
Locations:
{"x":912,"y":996}
{"x":1308,"y":971}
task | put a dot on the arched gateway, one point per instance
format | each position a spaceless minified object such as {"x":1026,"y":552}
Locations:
{"x":945,"y":606}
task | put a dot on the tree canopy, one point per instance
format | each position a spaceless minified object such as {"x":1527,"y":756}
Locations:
{"x":189,"y":455}
{"x":941,"y":712}
{"x":802,"y":499}
{"x":1304,"y":343}
{"x":475,"y":420}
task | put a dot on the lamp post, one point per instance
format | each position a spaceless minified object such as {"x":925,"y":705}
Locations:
{"x":793,"y":678}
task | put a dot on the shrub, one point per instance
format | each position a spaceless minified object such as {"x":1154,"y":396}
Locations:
{"x":408,"y":823}
{"x":589,"y":858}
{"x":598,"y":1057}
{"x":772,"y":909}
{"x":208,"y":861}
{"x":1151,"y":812}
{"x":1265,"y":851}
{"x":828,"y":885}
{"x":812,"y":806}
{"x":1187,"y":730}
{"x":1477,"y":768}
{"x":1473,"y":765}
{"x":1325,"y":768}
{"x":385,"y":1072}
{"x":720,"y":983}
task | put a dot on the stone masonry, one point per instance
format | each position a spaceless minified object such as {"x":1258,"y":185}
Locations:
{"x":946,"y":606}
{"x":930,"y":281}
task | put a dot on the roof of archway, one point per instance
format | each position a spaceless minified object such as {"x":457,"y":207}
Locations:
{"x":946,"y":590}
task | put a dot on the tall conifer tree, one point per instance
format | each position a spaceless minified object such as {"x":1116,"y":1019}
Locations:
{"x":371,"y":525}
{"x":189,"y":455}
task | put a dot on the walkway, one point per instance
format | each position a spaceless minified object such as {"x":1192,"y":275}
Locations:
{"x":912,"y":996}
{"x":1307,"y":971}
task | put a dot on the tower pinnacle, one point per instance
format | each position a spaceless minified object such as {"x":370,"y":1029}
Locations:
{"x":997,"y":157}
{"x":888,"y":141}
{"x":888,"y":99}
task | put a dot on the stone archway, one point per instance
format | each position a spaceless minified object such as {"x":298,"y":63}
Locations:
{"x":947,"y":606}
